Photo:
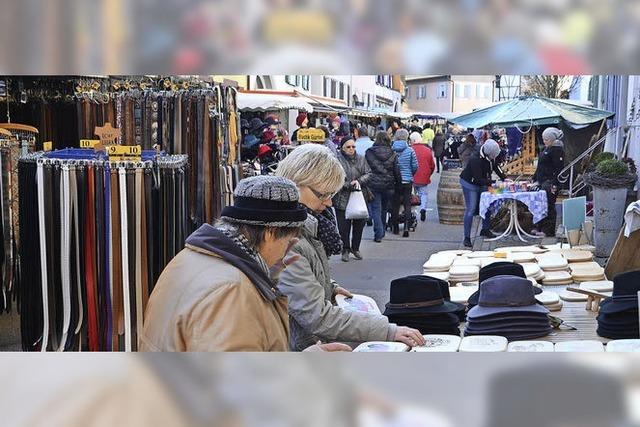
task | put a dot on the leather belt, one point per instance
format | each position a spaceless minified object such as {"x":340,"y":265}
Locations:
{"x":90,"y":274}
{"x":131,"y":212}
{"x":99,"y":253}
{"x":125,"y":258}
{"x":43,"y":256}
{"x":118,"y":320}
{"x":207,"y":161}
{"x":65,"y":255}
{"x":108,"y":282}
{"x":49,"y":202}
{"x":144,"y":260}
{"x":138,"y":252}
{"x":200,"y":218}
{"x":73,"y":190}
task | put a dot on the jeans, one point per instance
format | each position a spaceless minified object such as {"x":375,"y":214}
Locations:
{"x":379,"y":207}
{"x":439,"y":161}
{"x":421,"y":191}
{"x":471,"y":200}
{"x":402,"y":197}
{"x":344,"y":227}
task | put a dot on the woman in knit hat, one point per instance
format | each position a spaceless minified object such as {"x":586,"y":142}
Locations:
{"x":474,"y":179}
{"x":302,"y":121}
{"x":220,"y":292}
{"x":307,"y":282}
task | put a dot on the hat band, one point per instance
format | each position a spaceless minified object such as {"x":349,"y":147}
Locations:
{"x":264,"y":204}
{"x":506,"y":304}
{"x":417,"y":304}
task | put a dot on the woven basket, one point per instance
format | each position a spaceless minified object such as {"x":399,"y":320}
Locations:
{"x":595,"y":180}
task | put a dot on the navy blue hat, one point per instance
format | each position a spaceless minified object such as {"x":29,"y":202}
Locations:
{"x":625,"y":293}
{"x":417,"y":295}
{"x":506,"y":294}
{"x":502,"y":268}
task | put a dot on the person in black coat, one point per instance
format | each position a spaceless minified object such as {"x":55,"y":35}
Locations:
{"x":474,"y":179}
{"x":550,"y":163}
{"x":385,"y":173}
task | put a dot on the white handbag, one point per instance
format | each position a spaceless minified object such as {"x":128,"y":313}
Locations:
{"x":357,"y":206}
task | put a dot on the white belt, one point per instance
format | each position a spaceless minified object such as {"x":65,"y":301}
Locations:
{"x":43,"y":256}
{"x":65,"y":249}
{"x":122,"y":173}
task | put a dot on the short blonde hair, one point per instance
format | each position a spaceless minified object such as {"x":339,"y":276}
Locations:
{"x":314,"y":166}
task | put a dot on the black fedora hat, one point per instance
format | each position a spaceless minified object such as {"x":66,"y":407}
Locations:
{"x":625,"y":293}
{"x":417,"y":295}
{"x":446,"y":294}
{"x":502,"y":268}
{"x":617,"y":333}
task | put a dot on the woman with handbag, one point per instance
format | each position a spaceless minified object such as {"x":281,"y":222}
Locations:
{"x":357,"y":175}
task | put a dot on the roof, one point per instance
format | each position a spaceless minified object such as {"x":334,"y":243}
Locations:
{"x":271,"y":102}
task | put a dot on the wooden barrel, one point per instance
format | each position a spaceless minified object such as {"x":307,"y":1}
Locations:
{"x":450,"y":198}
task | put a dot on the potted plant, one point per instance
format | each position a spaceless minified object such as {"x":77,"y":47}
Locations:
{"x":610,"y":180}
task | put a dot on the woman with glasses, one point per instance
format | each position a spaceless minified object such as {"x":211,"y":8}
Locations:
{"x":307,"y":282}
{"x":357,"y":174}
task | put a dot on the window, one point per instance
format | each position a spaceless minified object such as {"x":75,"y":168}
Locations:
{"x":423,"y":92}
{"x":334,"y":88}
{"x":408,"y":95}
{"x":487,"y":92}
{"x":325,"y":87}
{"x":478,"y":91}
{"x":442,"y":91}
{"x":467,"y":91}
{"x":297,"y":80}
{"x":458,"y":90}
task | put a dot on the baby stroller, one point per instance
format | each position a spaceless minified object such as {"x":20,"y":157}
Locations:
{"x":413,"y":222}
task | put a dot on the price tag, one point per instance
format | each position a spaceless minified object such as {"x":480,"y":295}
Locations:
{"x":48,"y":146}
{"x":310,"y":135}
{"x":89,"y":143}
{"x":124,"y":152}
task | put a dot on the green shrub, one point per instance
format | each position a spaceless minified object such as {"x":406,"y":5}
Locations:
{"x":600,"y":157}
{"x":612,"y":168}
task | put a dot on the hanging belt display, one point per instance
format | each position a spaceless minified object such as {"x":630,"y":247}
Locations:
{"x":105,"y":231}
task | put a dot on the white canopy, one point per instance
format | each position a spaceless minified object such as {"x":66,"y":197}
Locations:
{"x":271,"y":102}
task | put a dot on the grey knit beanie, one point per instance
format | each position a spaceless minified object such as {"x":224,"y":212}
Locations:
{"x":270,"y":201}
{"x":401,"y":135}
{"x":491,"y":149}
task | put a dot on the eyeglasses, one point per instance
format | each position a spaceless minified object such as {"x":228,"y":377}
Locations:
{"x":322,"y":196}
{"x":349,"y":147}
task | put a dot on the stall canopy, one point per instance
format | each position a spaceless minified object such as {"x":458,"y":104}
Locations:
{"x":532,"y":111}
{"x":271,"y":102}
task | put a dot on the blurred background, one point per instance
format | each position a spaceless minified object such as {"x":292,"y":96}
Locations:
{"x":319,"y":36}
{"x":415,"y":390}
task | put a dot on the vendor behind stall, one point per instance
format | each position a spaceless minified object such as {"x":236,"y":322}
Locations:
{"x":474,"y":179}
{"x":550,"y":163}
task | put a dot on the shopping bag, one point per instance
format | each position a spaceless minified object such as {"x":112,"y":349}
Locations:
{"x":357,"y":206}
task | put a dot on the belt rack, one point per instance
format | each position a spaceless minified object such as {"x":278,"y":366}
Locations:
{"x":101,"y":233}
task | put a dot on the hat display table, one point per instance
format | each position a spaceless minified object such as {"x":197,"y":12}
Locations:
{"x":536,"y":202}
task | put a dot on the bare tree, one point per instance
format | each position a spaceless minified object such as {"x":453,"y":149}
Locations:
{"x":549,"y":86}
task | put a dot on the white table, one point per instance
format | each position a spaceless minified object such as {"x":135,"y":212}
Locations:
{"x":536,"y":201}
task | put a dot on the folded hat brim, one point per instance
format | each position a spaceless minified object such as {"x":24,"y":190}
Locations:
{"x":481,"y":311}
{"x":473,"y":299}
{"x":510,"y":317}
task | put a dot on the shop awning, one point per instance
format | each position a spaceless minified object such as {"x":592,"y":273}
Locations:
{"x":532,"y":111}
{"x":271,"y":102}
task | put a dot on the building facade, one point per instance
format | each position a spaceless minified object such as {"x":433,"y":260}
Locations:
{"x":449,"y":93}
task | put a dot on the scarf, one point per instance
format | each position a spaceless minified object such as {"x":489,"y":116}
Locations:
{"x":243,"y":243}
{"x":328,"y":232}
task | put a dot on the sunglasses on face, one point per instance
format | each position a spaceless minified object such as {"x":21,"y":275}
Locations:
{"x":322,"y":196}
{"x":349,"y":147}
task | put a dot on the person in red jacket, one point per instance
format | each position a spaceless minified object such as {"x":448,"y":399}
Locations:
{"x":426,"y":166}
